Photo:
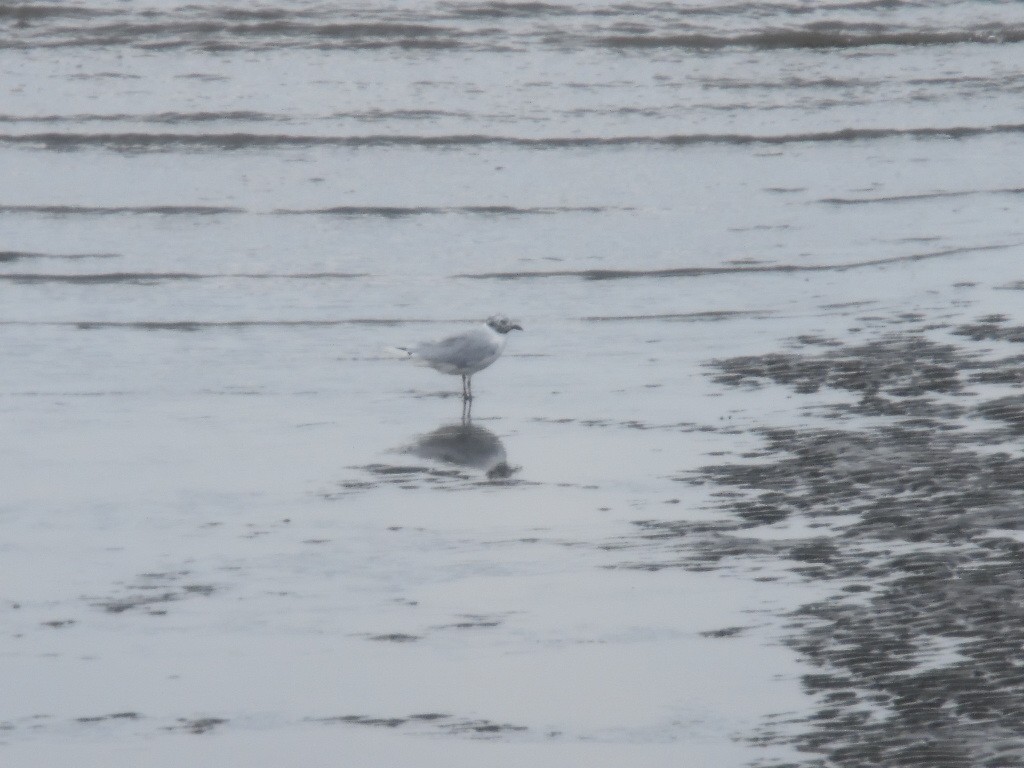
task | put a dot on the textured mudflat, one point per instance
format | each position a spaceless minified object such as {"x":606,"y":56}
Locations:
{"x":917,"y":484}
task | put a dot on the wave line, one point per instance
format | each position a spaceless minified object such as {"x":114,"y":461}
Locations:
{"x":138,"y":142}
{"x":621,"y":274}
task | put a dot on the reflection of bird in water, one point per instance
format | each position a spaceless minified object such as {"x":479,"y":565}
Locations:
{"x":465,"y":353}
{"x":465,"y":445}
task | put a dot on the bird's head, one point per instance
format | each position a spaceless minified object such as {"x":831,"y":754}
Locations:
{"x":502,"y":324}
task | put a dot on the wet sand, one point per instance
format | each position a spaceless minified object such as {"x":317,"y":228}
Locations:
{"x":620,"y":559}
{"x":743,"y":493}
{"x":918,"y":484}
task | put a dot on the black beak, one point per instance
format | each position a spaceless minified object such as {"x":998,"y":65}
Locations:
{"x":516,"y":327}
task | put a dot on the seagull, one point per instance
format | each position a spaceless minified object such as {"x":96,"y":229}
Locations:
{"x":464,"y":353}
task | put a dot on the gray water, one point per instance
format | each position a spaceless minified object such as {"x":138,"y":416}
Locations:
{"x":226,"y":511}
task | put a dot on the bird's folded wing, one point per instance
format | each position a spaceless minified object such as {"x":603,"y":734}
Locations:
{"x":462,"y":350}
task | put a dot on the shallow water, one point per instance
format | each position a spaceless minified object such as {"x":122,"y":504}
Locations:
{"x":227,"y":512}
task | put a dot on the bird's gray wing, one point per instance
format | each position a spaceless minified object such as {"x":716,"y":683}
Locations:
{"x":463,"y":350}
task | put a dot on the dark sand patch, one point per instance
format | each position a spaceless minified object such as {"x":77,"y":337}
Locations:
{"x":482,"y":727}
{"x":112,"y":716}
{"x":453,"y":466}
{"x":725,"y":632}
{"x":122,"y":604}
{"x":384,"y":722}
{"x":992,"y":327}
{"x":446,"y":723}
{"x":152,"y":592}
{"x":12,"y":256}
{"x":197,"y":725}
{"x":473,"y":621}
{"x":680,"y":426}
{"x":918,"y":654}
{"x":395,"y":637}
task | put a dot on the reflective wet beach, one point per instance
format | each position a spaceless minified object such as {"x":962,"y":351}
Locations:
{"x":745,"y":491}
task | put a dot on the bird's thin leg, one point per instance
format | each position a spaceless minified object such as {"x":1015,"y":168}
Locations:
{"x":465,"y":396}
{"x":467,"y":408}
{"x":469,"y":387}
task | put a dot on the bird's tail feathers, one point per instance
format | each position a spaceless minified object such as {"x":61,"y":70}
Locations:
{"x":397,"y":352}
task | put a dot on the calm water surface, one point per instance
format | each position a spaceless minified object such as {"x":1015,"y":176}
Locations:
{"x":213,"y":217}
